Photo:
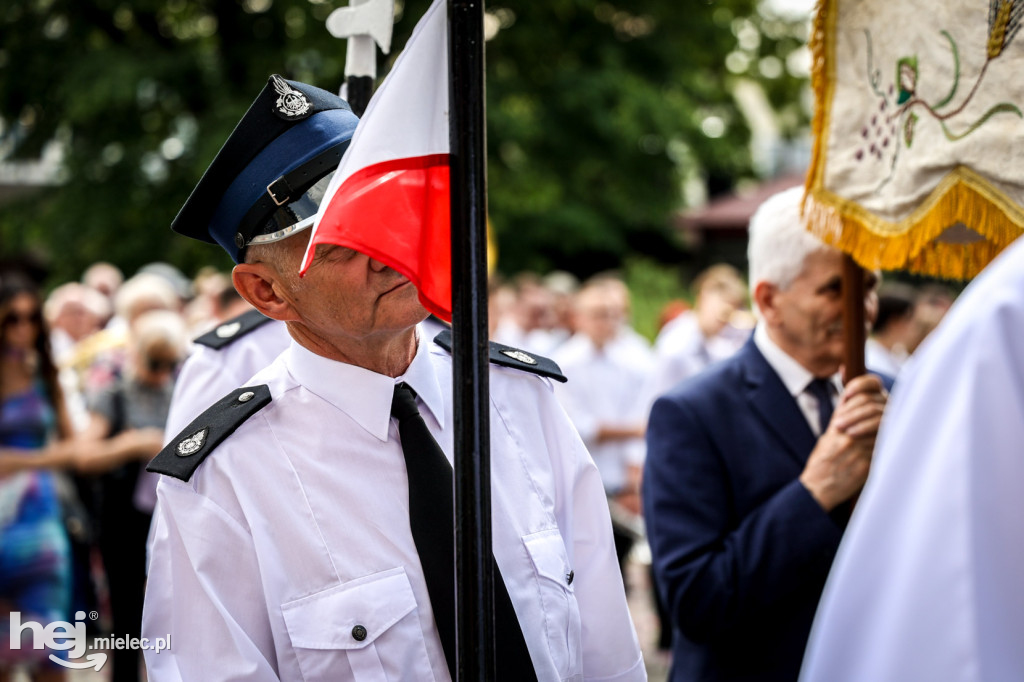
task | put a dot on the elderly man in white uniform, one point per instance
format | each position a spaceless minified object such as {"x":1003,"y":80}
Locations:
{"x":927,"y":581}
{"x":283,"y":547}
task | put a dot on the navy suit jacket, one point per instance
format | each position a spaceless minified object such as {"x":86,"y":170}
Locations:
{"x":741,"y":549}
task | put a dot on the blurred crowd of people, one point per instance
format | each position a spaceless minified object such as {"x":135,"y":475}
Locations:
{"x":86,"y":379}
{"x":88,"y":371}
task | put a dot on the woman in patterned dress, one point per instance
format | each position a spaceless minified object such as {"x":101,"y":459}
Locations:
{"x":34,"y":554}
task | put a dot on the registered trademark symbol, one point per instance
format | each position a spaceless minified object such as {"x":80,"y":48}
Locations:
{"x":94,"y":615}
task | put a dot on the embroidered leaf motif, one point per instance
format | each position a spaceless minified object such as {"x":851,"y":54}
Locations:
{"x":906,"y":76}
{"x":1003,"y":107}
{"x":908,"y":129}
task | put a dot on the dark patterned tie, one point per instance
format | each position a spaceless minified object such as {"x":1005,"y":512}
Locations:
{"x":821,"y":389}
{"x":432,"y":518}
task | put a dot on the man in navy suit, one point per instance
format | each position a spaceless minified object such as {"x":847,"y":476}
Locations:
{"x":751,"y":466}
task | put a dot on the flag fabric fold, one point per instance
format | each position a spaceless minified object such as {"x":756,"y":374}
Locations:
{"x":389,"y":198}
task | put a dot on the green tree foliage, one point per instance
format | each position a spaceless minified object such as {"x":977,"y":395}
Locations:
{"x":596,"y":112}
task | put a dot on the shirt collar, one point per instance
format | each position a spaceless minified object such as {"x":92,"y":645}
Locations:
{"x":794,"y":376}
{"x":363,"y":395}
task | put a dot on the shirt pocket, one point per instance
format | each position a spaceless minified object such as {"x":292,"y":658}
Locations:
{"x":554,"y":578}
{"x":368,"y":625}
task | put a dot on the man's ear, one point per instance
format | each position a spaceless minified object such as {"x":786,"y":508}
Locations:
{"x":257,"y":283}
{"x":765,"y":296}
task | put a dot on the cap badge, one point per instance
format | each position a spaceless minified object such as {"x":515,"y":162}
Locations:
{"x":520,"y":356}
{"x":291,"y":103}
{"x":226,"y":331}
{"x":193,"y":443}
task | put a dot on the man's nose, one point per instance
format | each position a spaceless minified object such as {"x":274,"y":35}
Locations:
{"x":377,"y":266}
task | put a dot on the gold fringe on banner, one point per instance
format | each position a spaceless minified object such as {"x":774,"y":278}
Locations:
{"x":823,"y":80}
{"x":959,"y":228}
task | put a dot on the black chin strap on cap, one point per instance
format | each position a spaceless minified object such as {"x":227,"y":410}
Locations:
{"x":283,"y":202}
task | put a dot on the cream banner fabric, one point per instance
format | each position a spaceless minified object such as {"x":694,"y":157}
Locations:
{"x":919,"y":132}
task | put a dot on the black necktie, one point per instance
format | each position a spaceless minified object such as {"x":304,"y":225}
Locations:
{"x":821,"y":389}
{"x":432,"y":518}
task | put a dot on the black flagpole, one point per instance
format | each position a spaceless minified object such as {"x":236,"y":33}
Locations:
{"x":473,"y":563}
{"x":359,"y":90}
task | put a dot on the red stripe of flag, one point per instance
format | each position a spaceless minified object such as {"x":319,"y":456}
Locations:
{"x":398,"y":212}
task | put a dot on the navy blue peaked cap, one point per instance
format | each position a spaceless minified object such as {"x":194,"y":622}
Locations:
{"x":267,"y":180}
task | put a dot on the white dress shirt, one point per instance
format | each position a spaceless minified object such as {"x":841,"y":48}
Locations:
{"x":881,"y":359}
{"x":209,"y":374}
{"x":927,"y":582}
{"x":295,"y":530}
{"x":605,"y":389}
{"x":682,"y":351}
{"x":796,"y":378}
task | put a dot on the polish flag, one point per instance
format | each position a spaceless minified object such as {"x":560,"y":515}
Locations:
{"x":389,"y":198}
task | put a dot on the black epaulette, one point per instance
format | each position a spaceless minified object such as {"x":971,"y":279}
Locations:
{"x":506,"y":356}
{"x":232,"y":330}
{"x":187,"y":451}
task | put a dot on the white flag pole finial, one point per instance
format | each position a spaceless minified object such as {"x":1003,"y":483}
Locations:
{"x":363,"y":22}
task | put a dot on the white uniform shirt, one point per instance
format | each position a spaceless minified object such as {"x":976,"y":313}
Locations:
{"x":681,"y":351}
{"x":605,"y":389}
{"x":927,"y":581}
{"x":296,"y":529}
{"x":209,"y":374}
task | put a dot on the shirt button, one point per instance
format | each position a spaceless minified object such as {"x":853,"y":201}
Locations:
{"x":358,"y":633}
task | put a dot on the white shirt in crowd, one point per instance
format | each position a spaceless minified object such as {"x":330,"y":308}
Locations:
{"x":296,"y":529}
{"x":209,"y":374}
{"x":881,"y":359}
{"x":605,"y":388}
{"x":927,"y":581}
{"x":681,"y":351}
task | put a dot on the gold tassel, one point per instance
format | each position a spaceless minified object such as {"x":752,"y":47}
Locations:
{"x":822,"y":80}
{"x":912,"y":245}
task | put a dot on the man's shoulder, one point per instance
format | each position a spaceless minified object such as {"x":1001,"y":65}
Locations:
{"x":185,"y":452}
{"x":578,"y":350}
{"x":724,"y":378}
{"x":512,"y":358}
{"x":230,"y":331}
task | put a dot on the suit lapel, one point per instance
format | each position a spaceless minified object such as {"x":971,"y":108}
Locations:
{"x":770,"y":400}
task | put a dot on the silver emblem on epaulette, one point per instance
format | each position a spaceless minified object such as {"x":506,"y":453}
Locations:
{"x":226,"y":331}
{"x":520,"y":356}
{"x":193,"y":443}
{"x":291,"y":102}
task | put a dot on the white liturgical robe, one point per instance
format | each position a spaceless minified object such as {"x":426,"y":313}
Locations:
{"x":927,"y":583}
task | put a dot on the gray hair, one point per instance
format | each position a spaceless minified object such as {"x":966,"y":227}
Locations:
{"x":779,"y":242}
{"x":160,"y":327}
{"x":75,"y":293}
{"x":143,"y":292}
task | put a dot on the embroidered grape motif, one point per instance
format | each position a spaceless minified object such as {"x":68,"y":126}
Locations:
{"x":895,"y":120}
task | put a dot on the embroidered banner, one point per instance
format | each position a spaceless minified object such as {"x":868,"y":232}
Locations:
{"x":919,"y":132}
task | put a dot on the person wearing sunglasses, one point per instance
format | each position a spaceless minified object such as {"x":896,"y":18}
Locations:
{"x":126,"y":430}
{"x":35,"y":579}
